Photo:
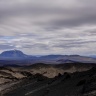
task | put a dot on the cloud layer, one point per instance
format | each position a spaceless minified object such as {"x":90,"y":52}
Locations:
{"x":48,"y":27}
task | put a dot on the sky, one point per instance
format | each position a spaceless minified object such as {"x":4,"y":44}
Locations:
{"x":43,"y":27}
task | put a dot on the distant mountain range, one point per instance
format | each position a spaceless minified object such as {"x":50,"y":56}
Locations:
{"x":18,"y":57}
{"x":93,"y":56}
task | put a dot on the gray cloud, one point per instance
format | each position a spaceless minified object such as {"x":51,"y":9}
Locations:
{"x":6,"y":47}
{"x":48,"y":27}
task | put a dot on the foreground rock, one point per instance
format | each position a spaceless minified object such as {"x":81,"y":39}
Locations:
{"x":65,"y":84}
{"x":9,"y":74}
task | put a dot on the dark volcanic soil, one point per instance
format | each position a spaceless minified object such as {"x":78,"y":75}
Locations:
{"x":68,"y":84}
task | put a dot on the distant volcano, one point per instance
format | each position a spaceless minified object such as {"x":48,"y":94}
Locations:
{"x":12,"y":54}
{"x":18,"y":55}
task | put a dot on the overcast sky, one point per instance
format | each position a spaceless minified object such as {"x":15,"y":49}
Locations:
{"x":41,"y":27}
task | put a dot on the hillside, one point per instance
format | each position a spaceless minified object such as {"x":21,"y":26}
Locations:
{"x":14,"y":73}
{"x":76,"y":83}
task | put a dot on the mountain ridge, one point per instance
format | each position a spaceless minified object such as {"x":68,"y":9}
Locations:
{"x":12,"y":53}
{"x":12,"y":56}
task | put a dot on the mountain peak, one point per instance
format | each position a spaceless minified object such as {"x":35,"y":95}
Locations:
{"x":13,"y":53}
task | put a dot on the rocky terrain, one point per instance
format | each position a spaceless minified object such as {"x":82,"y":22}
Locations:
{"x":13,"y":77}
